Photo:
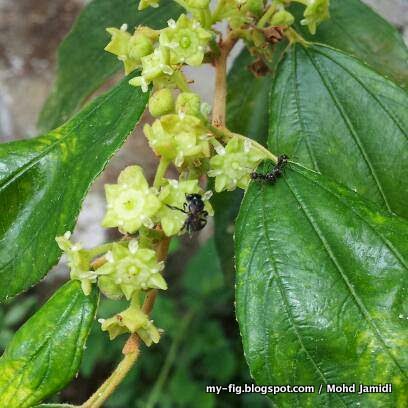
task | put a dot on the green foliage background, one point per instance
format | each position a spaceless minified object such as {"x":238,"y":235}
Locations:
{"x":201,"y":336}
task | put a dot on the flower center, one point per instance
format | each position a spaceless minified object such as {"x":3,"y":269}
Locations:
{"x":131,"y":203}
{"x":185,"y":41}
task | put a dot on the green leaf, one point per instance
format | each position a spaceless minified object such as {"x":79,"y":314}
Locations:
{"x":44,"y":180}
{"x":82,"y":64}
{"x":321,"y":290}
{"x":247,"y":101}
{"x":355,"y":28}
{"x":333,"y":114}
{"x":45,"y":353}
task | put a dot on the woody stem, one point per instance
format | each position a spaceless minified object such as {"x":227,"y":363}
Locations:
{"x":220,"y":93}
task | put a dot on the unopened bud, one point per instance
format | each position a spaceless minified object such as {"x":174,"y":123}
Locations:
{"x":161,"y":103}
{"x":188,"y":103}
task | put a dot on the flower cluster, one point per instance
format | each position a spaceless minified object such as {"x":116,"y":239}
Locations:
{"x":181,"y":135}
{"x":160,"y":54}
{"x":126,"y":271}
{"x":132,"y":204}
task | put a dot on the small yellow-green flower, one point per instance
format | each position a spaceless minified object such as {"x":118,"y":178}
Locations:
{"x":234,"y":11}
{"x":316,"y":12}
{"x":132,"y":320}
{"x":186,"y":41}
{"x":79,"y":262}
{"x":154,"y":66}
{"x":189,"y":103}
{"x":148,"y":3}
{"x":232,"y":166}
{"x":181,"y":138}
{"x":129,"y":270}
{"x":255,"y":6}
{"x":129,"y":48}
{"x":173,"y":194}
{"x":131,"y":203}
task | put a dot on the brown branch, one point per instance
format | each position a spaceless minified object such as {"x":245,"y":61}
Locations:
{"x":220,"y":92}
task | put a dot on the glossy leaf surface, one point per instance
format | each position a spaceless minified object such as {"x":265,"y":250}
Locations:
{"x":247,"y":99}
{"x":335,"y":115}
{"x":45,"y":353}
{"x":322,"y":290}
{"x":83,"y":65}
{"x":354,"y":28}
{"x":357,"y":29}
{"x":44,"y":180}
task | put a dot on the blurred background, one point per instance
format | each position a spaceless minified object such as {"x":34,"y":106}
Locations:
{"x":201,"y":345}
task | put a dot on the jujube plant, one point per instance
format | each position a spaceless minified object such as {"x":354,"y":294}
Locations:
{"x":307,"y":124}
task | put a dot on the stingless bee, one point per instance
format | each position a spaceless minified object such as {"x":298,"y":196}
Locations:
{"x":196,"y":215}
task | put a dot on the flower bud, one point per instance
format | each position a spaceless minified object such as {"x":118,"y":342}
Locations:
{"x":161,"y":102}
{"x":188,"y":103}
{"x":282,"y":18}
{"x":255,"y":6}
{"x":129,"y":48}
{"x":180,"y":138}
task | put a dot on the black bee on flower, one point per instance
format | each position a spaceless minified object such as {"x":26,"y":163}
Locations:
{"x":196,"y":215}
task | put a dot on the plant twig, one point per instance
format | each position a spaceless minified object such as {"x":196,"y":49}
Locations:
{"x":131,"y":349}
{"x":220,"y":93}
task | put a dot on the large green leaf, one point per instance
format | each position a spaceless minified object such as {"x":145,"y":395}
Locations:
{"x":83,"y":65}
{"x":322,"y":290}
{"x":355,"y":28}
{"x":335,"y":115}
{"x":45,"y":353}
{"x":44,"y":180}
